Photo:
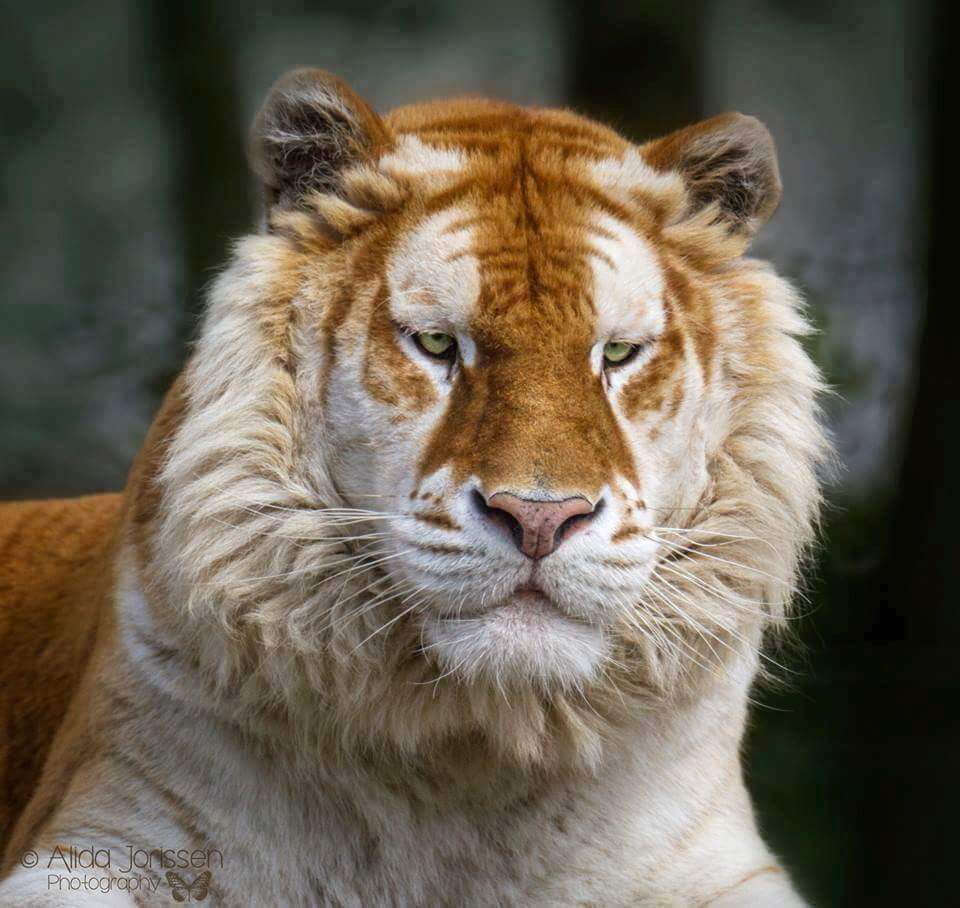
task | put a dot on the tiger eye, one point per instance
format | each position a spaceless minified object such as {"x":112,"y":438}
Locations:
{"x":616,"y":352}
{"x":435,"y":343}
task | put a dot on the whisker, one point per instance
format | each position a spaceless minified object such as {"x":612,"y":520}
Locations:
{"x":367,"y":566}
{"x":688,"y":554}
{"x":311,"y":569}
{"x":677,"y":569}
{"x":727,"y":629}
{"x":700,"y":629}
{"x":308,"y":508}
{"x":337,"y":622}
{"x":392,"y":621}
{"x":736,"y":564}
{"x":666,"y":626}
{"x":718,"y":533}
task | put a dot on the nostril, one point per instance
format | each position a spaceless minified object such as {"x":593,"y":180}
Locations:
{"x":570,"y":525}
{"x":479,"y":503}
{"x":576,"y":522}
{"x":498,"y":516}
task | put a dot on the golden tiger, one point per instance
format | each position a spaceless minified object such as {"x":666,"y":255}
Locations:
{"x":444,"y":573}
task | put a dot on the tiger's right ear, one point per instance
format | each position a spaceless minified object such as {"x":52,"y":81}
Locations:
{"x":311,"y":128}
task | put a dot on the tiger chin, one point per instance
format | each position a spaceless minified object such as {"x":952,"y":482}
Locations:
{"x":449,"y":562}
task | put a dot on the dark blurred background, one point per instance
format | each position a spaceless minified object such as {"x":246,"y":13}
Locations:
{"x":122,"y":179}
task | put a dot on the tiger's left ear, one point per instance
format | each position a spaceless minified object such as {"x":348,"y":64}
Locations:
{"x":729,"y":161}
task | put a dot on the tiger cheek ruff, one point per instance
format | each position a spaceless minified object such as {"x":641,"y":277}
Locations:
{"x":449,"y":562}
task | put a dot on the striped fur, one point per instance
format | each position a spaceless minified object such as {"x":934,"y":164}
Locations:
{"x":302,"y":643}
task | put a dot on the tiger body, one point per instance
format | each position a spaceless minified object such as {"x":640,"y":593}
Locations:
{"x":444,"y":572}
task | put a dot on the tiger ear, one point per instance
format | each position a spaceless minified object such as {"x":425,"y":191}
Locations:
{"x":729,"y":161}
{"x":311,"y":128}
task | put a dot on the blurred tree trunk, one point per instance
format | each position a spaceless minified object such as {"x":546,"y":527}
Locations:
{"x":910,"y":727}
{"x":195,"y":68}
{"x":637,"y":66}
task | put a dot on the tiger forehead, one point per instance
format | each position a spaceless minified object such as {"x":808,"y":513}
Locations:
{"x":452,"y":272}
{"x":519,"y":230}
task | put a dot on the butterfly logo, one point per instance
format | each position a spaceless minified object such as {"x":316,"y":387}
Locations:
{"x":195,"y":891}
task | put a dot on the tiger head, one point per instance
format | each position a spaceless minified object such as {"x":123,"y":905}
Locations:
{"x":494,"y":410}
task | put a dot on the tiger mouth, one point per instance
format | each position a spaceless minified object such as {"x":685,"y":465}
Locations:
{"x":524,"y":638}
{"x":524,"y":600}
{"x":527,"y":607}
{"x":529,"y":602}
{"x":531,"y":592}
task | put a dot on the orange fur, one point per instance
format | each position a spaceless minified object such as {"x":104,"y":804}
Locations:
{"x":55,"y":583}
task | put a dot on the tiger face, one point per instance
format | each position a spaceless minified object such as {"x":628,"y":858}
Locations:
{"x":526,"y":380}
{"x":498,"y":391}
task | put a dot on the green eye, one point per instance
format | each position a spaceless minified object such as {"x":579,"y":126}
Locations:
{"x":436,"y":344}
{"x":616,"y":353}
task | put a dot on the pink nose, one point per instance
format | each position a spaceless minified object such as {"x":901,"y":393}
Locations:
{"x":538,"y":527}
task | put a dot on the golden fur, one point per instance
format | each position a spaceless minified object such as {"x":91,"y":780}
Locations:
{"x":300,"y":565}
{"x":54,"y":587}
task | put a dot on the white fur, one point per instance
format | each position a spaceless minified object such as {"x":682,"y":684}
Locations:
{"x":629,"y":293}
{"x":411,"y":158}
{"x":623,"y":175}
{"x":434,"y":281}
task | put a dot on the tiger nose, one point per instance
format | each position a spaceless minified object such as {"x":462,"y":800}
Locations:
{"x":538,"y":527}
